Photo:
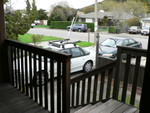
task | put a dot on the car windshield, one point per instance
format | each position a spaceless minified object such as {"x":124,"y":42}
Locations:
{"x":146,"y":28}
{"x":111,"y":42}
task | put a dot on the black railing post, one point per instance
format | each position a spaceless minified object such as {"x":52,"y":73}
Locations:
{"x":145,"y":92}
{"x":117,"y":77}
{"x":66,"y":86}
{"x":3,"y":76}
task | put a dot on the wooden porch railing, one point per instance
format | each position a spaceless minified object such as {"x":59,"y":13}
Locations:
{"x":91,"y":87}
{"x":105,"y":82}
{"x":30,"y":67}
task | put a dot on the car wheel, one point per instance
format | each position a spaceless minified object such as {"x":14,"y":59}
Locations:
{"x":37,"y":81}
{"x":79,"y":30}
{"x":87,"y":66}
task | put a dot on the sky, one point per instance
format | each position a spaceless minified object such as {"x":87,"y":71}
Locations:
{"x":46,"y":4}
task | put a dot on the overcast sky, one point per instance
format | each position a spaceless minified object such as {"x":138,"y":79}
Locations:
{"x":46,"y":4}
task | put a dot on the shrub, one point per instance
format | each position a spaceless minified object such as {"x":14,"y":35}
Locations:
{"x":64,"y":24}
{"x":36,"y":39}
{"x":112,"y":29}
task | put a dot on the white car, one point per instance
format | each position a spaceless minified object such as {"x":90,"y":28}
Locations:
{"x":81,"y":59}
{"x":78,"y":54}
{"x":145,"y":31}
{"x":32,"y":25}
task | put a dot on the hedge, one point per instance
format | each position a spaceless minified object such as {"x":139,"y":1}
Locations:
{"x":64,"y":24}
{"x":112,"y":29}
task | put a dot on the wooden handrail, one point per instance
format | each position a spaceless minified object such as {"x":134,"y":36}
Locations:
{"x":93,"y":72}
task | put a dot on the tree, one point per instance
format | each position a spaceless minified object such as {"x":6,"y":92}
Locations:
{"x":62,"y":12}
{"x":18,"y":23}
{"x":135,"y":8}
{"x":132,"y":7}
{"x":42,"y":15}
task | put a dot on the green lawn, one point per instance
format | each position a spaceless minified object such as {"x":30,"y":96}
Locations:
{"x":27,"y":38}
{"x":42,"y":26}
{"x":85,"y":44}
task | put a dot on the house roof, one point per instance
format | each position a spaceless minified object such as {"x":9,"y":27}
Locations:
{"x":110,"y":15}
{"x":100,"y":15}
{"x":145,"y":19}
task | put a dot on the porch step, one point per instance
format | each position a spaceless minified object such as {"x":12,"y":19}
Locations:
{"x":110,"y":106}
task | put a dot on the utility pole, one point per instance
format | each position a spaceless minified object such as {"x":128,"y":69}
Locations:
{"x":96,"y":34}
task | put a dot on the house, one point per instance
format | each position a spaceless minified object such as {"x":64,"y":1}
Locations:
{"x":145,"y":22}
{"x":89,"y":17}
{"x":14,"y":78}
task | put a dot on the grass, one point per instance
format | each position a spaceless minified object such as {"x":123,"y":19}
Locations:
{"x":26,"y":38}
{"x":85,"y":44}
{"x":42,"y":26}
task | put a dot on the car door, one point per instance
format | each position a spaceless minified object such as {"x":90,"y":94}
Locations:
{"x":78,"y":59}
{"x":133,"y":43}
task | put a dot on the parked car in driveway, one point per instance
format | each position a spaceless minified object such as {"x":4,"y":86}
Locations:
{"x":81,"y":59}
{"x":32,"y":25}
{"x":78,"y":27}
{"x":134,"y":29}
{"x":108,"y":48}
{"x":145,"y":31}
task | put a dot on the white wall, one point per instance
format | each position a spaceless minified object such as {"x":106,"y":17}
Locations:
{"x":145,"y":23}
{"x":89,"y":20}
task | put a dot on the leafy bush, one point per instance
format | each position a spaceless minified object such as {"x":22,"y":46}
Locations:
{"x":60,"y":24}
{"x":64,"y":24}
{"x":112,"y":29}
{"x":36,"y":38}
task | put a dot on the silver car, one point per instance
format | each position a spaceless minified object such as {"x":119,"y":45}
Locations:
{"x":134,"y":29}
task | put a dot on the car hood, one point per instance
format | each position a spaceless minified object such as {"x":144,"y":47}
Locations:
{"x":105,"y":49}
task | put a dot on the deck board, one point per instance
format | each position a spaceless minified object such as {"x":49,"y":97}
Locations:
{"x":13,"y":101}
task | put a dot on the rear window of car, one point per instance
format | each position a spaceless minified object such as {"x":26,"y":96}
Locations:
{"x":112,"y":42}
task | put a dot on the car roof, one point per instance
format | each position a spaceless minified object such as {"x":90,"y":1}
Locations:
{"x":121,"y":38}
{"x":62,"y":44}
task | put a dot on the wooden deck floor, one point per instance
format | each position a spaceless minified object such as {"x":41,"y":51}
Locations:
{"x":13,"y":101}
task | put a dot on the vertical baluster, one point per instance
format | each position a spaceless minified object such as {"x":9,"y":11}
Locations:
{"x":83,"y":92}
{"x":52,"y":85}
{"x":102,"y":85}
{"x":40,"y":80}
{"x":18,"y":57}
{"x":26,"y":72}
{"x":77,"y":93}
{"x":135,"y":80}
{"x":59,"y":96}
{"x":95,"y":87}
{"x":30,"y":74}
{"x":73,"y":96}
{"x":12,"y":64}
{"x":35,"y":77}
{"x":108,"y":90}
{"x":22,"y":70}
{"x":126,"y":75}
{"x":15,"y":65}
{"x":89,"y":90}
{"x":45,"y":83}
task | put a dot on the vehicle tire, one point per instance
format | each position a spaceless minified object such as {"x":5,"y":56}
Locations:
{"x":88,"y":66}
{"x":37,"y":81}
{"x":79,"y":30}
